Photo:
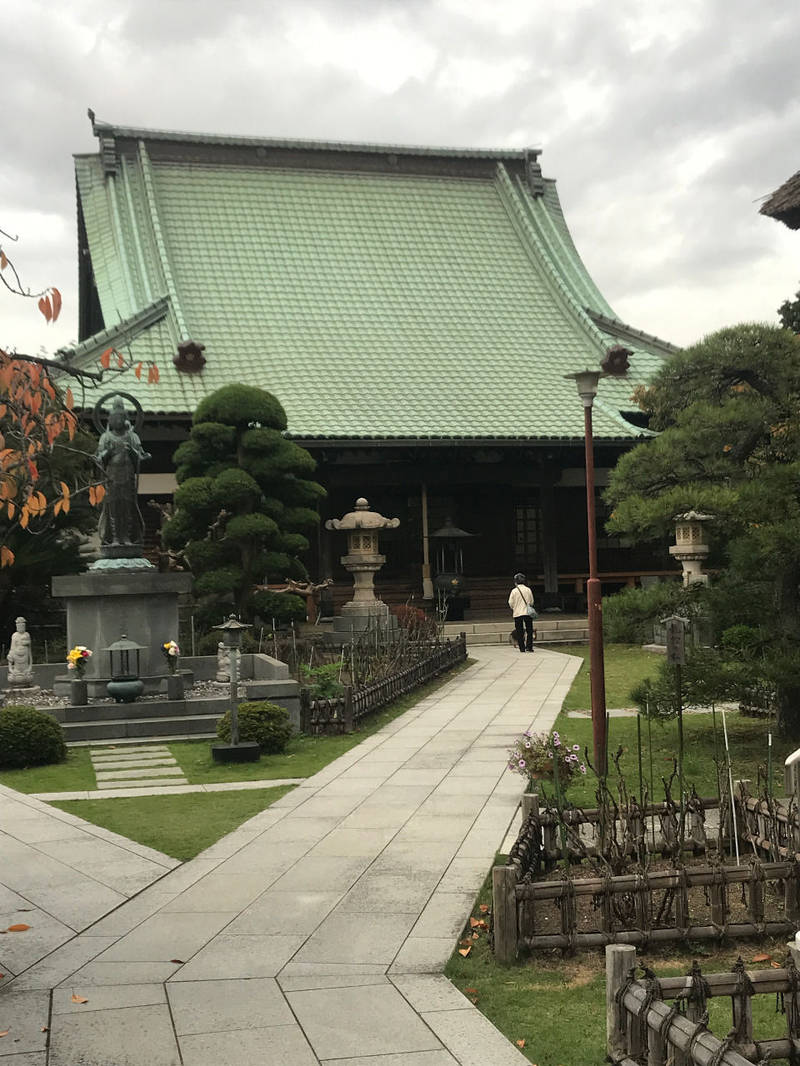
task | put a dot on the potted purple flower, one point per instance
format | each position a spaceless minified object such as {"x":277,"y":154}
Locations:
{"x":539,"y":756}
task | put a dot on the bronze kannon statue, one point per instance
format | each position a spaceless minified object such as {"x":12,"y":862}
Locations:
{"x":119,"y":453}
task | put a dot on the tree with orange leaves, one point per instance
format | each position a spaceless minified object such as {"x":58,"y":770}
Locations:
{"x":39,"y":427}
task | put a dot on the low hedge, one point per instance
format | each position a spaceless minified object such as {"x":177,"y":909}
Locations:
{"x":264,"y":722}
{"x":29,"y":737}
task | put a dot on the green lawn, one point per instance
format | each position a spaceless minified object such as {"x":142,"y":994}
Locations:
{"x":556,"y":1004}
{"x":624,"y":666}
{"x":747,"y":738}
{"x":75,"y":774}
{"x":181,"y":826}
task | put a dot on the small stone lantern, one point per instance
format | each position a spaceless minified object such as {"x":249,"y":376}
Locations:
{"x":690,"y":548}
{"x":363,"y":561}
{"x":238,"y":750}
{"x":125,"y":685}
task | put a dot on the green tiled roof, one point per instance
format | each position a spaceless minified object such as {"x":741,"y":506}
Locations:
{"x":373,"y":304}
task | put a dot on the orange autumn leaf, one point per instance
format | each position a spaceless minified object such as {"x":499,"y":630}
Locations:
{"x":3,"y":261}
{"x":105,"y":358}
{"x":465,"y":951}
{"x":775,"y":965}
{"x":484,"y":908}
{"x":46,"y":308}
{"x":55,"y":296}
{"x":6,"y":556}
{"x":69,"y":399}
{"x":20,"y":927}
{"x":78,"y":999}
{"x":138,"y":371}
{"x":520,"y":1043}
{"x":152,"y":375}
{"x":761,"y":958}
{"x":4,"y":1032}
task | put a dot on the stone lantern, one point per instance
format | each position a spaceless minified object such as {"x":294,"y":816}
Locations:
{"x":363,"y":561}
{"x":690,"y":548}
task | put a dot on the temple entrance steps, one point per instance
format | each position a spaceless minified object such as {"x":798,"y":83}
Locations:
{"x":549,"y":630}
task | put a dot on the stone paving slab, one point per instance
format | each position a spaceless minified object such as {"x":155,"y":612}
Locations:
{"x":318,"y":931}
{"x":160,"y":789}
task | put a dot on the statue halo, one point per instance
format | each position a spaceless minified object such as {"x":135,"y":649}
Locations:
{"x":99,"y":407}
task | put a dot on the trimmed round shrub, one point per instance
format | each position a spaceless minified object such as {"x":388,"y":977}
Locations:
{"x":282,"y":606}
{"x":264,"y":722}
{"x":29,"y":737}
{"x":241,"y":405}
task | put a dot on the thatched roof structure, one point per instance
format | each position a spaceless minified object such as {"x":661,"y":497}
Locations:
{"x":784,"y":204}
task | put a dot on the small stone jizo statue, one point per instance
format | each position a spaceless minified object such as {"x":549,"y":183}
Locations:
{"x":20,"y":657}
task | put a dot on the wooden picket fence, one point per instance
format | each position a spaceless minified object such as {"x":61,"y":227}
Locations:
{"x":342,"y":714}
{"x":709,"y":901}
{"x":643,"y":1029}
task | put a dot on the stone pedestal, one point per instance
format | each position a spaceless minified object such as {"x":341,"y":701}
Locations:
{"x":102,"y":605}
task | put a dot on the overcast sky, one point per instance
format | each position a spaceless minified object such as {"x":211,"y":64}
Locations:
{"x":664,"y":121}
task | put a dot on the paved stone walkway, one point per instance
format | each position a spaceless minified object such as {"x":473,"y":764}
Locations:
{"x":58,"y":875}
{"x":316,"y":932}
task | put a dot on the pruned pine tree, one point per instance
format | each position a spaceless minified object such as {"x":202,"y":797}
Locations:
{"x":245,"y":502}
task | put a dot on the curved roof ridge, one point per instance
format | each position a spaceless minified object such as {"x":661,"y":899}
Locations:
{"x":512,"y":200}
{"x":566,"y":254}
{"x":166,"y":268}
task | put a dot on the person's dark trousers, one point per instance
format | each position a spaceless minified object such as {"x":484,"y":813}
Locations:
{"x":524,"y":626}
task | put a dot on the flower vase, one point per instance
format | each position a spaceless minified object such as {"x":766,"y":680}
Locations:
{"x":78,"y":692}
{"x":174,"y":686}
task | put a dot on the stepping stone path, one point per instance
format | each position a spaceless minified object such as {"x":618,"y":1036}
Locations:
{"x":153,"y":766}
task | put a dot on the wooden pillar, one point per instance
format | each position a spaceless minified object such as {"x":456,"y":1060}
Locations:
{"x":427,"y":582}
{"x":547,"y":498}
{"x":504,"y":912}
{"x":349,"y":724}
{"x":620,"y":959}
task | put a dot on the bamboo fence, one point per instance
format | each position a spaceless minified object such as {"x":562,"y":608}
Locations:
{"x":643,"y":1030}
{"x":343,"y":713}
{"x":640,"y":906}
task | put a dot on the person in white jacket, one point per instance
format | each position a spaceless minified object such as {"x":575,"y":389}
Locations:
{"x":519,"y":601}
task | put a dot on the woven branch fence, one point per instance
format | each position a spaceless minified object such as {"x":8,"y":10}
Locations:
{"x":641,"y":906}
{"x":343,"y":713}
{"x":642,"y":1029}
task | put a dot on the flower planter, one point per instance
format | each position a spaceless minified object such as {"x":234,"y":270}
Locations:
{"x":174,"y":687}
{"x":78,"y":692}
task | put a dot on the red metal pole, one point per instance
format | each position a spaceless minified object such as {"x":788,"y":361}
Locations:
{"x":594,"y":602}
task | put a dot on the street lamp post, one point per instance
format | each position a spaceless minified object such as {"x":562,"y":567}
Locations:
{"x":615,"y":364}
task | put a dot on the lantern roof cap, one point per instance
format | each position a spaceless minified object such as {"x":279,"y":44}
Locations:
{"x":232,"y":623}
{"x":362,"y":518}
{"x":125,"y":644}
{"x":694,"y":516}
{"x":450,"y":532}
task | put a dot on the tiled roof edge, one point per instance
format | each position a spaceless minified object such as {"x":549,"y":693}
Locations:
{"x":124,"y":331}
{"x":511,"y":199}
{"x":623,"y":331}
{"x":106,"y":129}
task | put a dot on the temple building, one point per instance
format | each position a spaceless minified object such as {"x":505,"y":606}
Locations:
{"x":414,"y":309}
